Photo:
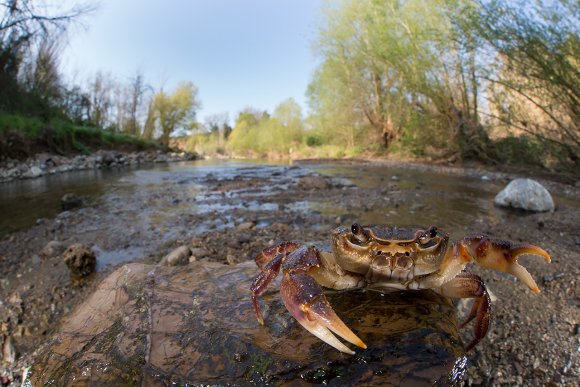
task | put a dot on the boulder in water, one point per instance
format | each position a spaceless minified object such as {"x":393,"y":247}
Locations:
{"x":195,"y":324}
{"x":525,"y":194}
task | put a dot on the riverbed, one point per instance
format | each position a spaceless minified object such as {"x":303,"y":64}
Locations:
{"x":231,"y":210}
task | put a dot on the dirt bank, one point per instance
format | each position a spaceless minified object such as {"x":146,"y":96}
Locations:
{"x":532,"y":339}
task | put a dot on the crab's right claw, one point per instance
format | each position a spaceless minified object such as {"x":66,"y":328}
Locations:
{"x":304,"y":299}
{"x":503,"y":256}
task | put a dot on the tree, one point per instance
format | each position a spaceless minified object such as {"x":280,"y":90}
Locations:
{"x":381,"y":64}
{"x":533,"y":71}
{"x":101,"y":99}
{"x":175,"y":110}
{"x":219,"y":123}
{"x":22,"y":24}
{"x":136,"y":90}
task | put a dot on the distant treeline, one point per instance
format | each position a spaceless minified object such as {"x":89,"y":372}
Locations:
{"x":490,"y":80}
{"x":496,"y":81}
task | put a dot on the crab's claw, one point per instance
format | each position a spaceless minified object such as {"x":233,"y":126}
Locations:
{"x":305,"y":300}
{"x":503,"y":256}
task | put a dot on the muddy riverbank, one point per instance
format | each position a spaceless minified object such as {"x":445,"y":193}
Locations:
{"x":229,"y":211}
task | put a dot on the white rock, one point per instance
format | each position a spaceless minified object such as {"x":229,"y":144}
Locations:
{"x":179,"y":256}
{"x":35,"y":171}
{"x":526,"y":194}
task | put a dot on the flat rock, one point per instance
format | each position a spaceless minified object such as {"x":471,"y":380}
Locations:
{"x":195,"y":324}
{"x":525,"y":194}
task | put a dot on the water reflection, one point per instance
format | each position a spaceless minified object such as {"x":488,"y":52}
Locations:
{"x":449,"y":201}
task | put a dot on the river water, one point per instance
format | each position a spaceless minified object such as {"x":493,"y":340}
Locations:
{"x":447,"y":200}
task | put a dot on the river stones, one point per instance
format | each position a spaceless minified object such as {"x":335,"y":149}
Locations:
{"x":53,"y":249}
{"x":179,"y":256}
{"x":313,"y":182}
{"x":80,"y":260}
{"x":525,"y":194}
{"x":158,"y":325}
{"x":70,"y":201}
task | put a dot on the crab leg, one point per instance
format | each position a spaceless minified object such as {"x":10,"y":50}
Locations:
{"x":269,"y":253}
{"x":270,"y":261}
{"x":467,"y":285}
{"x":304,"y":299}
{"x":503,"y":256}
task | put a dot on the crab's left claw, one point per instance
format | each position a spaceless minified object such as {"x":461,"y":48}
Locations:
{"x":503,"y":256}
{"x":305,"y":300}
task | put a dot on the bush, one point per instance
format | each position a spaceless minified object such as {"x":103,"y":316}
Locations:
{"x":520,"y":151}
{"x":313,"y":140}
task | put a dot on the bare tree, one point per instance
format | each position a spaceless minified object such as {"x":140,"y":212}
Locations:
{"x":23,"y":23}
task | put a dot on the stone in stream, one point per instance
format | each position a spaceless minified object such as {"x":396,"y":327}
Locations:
{"x":179,"y":256}
{"x":70,"y":201}
{"x":80,"y":260}
{"x":525,"y":194}
{"x":195,"y":324}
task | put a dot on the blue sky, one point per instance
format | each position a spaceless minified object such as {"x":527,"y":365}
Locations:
{"x":238,"y":52}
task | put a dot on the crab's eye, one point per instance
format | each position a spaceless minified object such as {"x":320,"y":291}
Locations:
{"x":427,"y":239}
{"x":432,"y":231}
{"x":359,"y":233}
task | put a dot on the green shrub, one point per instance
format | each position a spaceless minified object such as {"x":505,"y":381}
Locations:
{"x":313,"y":140}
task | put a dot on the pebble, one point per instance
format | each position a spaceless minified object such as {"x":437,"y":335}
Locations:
{"x":80,"y":260}
{"x":245,"y":226}
{"x":232,"y":260}
{"x":8,"y":351}
{"x":179,"y":256}
{"x":53,"y":249}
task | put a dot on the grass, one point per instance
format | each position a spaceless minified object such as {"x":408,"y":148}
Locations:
{"x":22,"y":136}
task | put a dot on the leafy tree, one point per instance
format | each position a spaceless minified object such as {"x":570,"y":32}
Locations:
{"x":533,"y":67}
{"x":175,"y":110}
{"x":219,"y":124}
{"x":381,"y":65}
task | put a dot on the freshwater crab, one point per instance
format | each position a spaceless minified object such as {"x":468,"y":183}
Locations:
{"x":383,"y":257}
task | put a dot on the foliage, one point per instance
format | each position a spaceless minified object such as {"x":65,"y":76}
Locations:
{"x":444,"y":78}
{"x":260,"y":133}
{"x":21,"y":136}
{"x":29,"y":31}
{"x":175,"y":110}
{"x":380,"y":68}
{"x":534,"y":74}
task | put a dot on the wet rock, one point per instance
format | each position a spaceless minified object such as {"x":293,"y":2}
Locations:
{"x":199,"y":252}
{"x":8,"y":351}
{"x":53,"y":249}
{"x":313,"y":182}
{"x":70,"y":201}
{"x":32,"y":173}
{"x":149,"y":325}
{"x":342,"y":182}
{"x":231,"y":259}
{"x":80,"y":260}
{"x":109,"y":157}
{"x":179,"y":256}
{"x":525,"y":194}
{"x":553,"y":277}
{"x":245,"y":226}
